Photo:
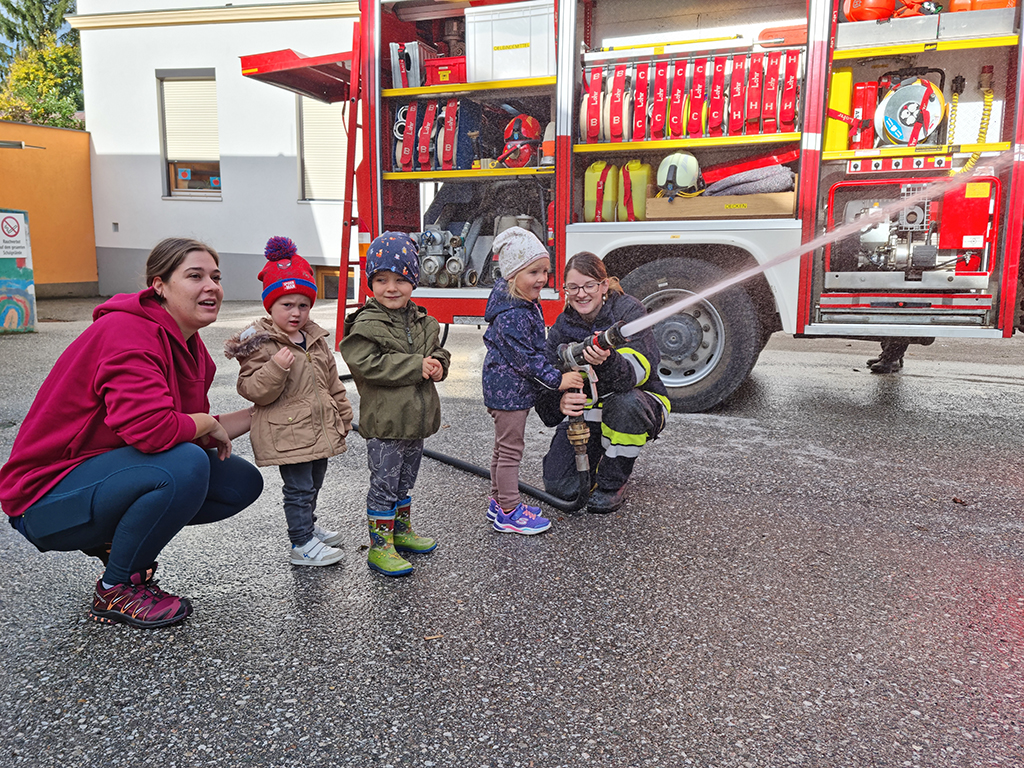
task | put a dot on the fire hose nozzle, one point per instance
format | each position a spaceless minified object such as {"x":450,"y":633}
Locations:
{"x":571,"y":355}
{"x":985,"y":79}
{"x":579,"y":437}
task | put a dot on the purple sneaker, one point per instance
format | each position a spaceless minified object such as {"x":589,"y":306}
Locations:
{"x":140,"y":603}
{"x":492,"y":511}
{"x":523,"y":519}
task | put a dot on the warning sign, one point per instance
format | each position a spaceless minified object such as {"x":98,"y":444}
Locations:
{"x":17,"y":288}
{"x":14,"y":238}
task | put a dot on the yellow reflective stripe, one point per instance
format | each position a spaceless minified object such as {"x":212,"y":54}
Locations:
{"x":643,"y":361}
{"x":664,"y":401}
{"x":622,"y":438}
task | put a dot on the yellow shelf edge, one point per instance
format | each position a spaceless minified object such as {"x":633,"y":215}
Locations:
{"x":712,"y":141}
{"x":931,"y":149}
{"x":456,"y":88}
{"x":470,"y":174}
{"x":1003,"y":41}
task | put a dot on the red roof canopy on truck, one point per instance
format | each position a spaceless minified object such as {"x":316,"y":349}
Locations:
{"x":324,"y":78}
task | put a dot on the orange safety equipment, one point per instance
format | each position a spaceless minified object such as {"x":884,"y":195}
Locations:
{"x":868,"y":10}
{"x":522,"y":137}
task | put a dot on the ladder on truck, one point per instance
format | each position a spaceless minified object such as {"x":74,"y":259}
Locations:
{"x":331,"y":79}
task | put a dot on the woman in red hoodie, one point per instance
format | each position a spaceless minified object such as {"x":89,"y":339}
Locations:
{"x":119,"y":451}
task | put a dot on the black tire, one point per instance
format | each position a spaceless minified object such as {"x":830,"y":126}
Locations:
{"x":709,"y":348}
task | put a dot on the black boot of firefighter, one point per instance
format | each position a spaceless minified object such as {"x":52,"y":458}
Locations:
{"x":890,"y":360}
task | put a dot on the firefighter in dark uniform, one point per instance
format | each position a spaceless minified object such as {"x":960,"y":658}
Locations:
{"x":632,"y":405}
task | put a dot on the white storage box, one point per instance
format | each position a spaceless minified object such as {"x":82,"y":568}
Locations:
{"x":507,"y":42}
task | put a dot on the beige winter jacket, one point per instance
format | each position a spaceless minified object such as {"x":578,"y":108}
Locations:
{"x":301,"y":414}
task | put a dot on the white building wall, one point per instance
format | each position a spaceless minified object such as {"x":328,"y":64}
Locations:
{"x":258,"y":146}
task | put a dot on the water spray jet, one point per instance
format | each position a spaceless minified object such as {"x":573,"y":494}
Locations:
{"x":872,"y":217}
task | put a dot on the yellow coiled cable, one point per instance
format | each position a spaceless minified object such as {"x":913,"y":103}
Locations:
{"x":986,"y":114}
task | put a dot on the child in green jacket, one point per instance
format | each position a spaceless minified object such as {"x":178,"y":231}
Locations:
{"x":391,"y":347}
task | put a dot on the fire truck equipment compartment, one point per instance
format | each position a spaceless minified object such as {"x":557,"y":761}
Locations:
{"x":510,"y":42}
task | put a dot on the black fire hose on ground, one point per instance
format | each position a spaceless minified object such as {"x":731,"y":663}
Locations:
{"x":570,"y":355}
{"x":562,"y":505}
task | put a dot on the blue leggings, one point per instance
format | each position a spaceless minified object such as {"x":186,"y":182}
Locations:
{"x":138,"y":502}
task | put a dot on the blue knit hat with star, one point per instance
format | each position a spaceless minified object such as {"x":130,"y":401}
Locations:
{"x":393,"y":252}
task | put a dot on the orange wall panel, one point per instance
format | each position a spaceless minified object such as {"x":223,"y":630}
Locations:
{"x":54,"y":187}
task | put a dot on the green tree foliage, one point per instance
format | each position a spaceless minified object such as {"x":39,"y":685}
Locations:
{"x":24,"y":23}
{"x":44,"y":85}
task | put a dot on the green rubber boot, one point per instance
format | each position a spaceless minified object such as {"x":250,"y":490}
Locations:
{"x":406,"y":539}
{"x":382,"y":556}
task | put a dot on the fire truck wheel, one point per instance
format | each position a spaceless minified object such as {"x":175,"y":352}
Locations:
{"x":707,"y":349}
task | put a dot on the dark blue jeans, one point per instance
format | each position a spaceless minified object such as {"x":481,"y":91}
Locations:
{"x":302,"y":483}
{"x":138,"y":502}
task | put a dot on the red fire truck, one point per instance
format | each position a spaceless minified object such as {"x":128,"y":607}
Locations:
{"x":684,"y":142}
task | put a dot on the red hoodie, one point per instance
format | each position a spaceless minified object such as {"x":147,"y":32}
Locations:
{"x":129,"y":379}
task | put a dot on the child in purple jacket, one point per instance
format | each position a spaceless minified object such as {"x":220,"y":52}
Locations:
{"x":515,"y":370}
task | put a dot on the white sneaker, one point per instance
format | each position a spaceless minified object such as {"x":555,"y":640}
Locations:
{"x":315,"y":552}
{"x":330,"y":538}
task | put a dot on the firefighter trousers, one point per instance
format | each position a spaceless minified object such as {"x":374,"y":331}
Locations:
{"x":627,"y":421}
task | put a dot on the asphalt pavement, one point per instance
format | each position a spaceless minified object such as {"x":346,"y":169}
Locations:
{"x":828,"y":570}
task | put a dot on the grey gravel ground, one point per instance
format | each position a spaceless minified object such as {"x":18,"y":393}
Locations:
{"x":826,"y":571}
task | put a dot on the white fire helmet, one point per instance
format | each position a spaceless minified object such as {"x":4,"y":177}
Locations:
{"x":679,"y":173}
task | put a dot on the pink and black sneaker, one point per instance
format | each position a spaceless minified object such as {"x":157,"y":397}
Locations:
{"x":140,"y":603}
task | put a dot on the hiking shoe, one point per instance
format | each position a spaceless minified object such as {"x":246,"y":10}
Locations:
{"x":330,"y":538}
{"x":603,"y":501}
{"x":140,"y":603}
{"x":492,"y":510}
{"x":315,"y":552}
{"x":523,"y":519}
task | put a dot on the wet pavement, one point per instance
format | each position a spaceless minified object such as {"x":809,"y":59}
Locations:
{"x":826,"y":571}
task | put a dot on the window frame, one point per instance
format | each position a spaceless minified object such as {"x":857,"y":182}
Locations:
{"x":203,"y":170}
{"x":306,"y":194}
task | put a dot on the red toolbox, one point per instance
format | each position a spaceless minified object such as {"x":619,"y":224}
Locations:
{"x":445,"y":70}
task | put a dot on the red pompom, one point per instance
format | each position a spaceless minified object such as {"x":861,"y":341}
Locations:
{"x":280,"y":249}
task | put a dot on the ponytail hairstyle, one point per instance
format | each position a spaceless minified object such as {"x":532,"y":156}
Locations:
{"x":587,"y":263}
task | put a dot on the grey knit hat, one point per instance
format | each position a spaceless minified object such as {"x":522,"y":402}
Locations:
{"x":517,"y":248}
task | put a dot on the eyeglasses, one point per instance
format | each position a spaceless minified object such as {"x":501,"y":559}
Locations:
{"x":573,"y":290}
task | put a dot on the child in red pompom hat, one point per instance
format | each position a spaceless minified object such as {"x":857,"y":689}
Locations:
{"x":301,"y":413}
{"x":286,"y":272}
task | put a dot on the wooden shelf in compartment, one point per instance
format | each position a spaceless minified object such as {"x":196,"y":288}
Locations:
{"x":494,"y":173}
{"x":1001,"y":41}
{"x":704,"y":143}
{"x":929,"y":149}
{"x":506,"y":89}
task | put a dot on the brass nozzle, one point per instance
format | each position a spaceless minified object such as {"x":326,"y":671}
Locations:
{"x":985,"y":80}
{"x":579,"y":437}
